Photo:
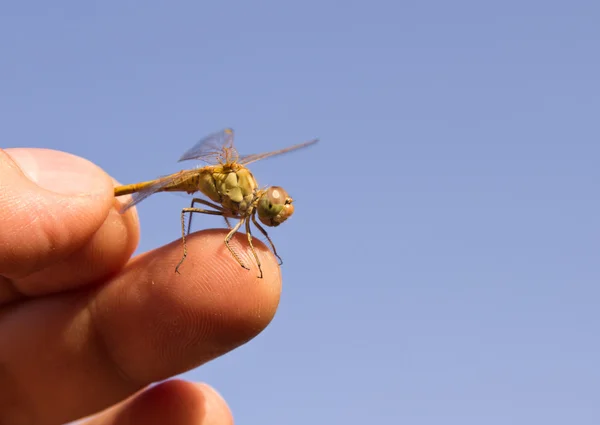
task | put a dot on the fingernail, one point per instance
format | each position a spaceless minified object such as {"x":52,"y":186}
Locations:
{"x":59,"y":172}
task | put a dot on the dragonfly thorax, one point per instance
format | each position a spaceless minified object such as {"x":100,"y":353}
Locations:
{"x":231,"y":185}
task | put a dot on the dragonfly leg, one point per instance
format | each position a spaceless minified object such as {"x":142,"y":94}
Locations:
{"x":249,"y":234}
{"x":208,"y":204}
{"x":227,"y":223}
{"x":264,"y":232}
{"x":228,"y":238}
{"x":183,"y":234}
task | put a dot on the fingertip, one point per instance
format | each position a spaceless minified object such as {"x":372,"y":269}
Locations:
{"x":51,"y":203}
{"x":103,"y":255}
{"x":60,"y":172}
{"x":131,"y":215}
{"x":215,"y":405}
{"x":212,"y":307}
{"x":175,"y":402}
{"x":247,"y":300}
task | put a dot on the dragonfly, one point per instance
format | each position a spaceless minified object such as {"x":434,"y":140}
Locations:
{"x":232,"y":189}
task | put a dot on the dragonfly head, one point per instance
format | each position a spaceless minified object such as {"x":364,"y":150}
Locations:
{"x":274,"y":206}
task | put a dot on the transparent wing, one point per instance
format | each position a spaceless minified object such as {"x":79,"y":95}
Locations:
{"x":211,"y":147}
{"x":247,"y":159}
{"x":156,"y":186}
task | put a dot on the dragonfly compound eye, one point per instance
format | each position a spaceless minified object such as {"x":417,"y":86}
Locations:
{"x":275,"y":206}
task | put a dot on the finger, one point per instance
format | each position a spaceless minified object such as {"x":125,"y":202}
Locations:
{"x":103,"y":255}
{"x":55,"y":210}
{"x":146,"y":324}
{"x":213,"y":306}
{"x":173,"y":402}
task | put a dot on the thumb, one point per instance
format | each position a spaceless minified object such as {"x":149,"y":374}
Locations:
{"x":51,"y":203}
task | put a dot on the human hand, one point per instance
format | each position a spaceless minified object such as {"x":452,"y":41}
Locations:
{"x":85,"y":328}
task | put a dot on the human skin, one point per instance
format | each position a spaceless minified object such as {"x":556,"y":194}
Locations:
{"x":84,"y":328}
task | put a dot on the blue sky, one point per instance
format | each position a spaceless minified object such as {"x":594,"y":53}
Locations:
{"x":442,"y":263}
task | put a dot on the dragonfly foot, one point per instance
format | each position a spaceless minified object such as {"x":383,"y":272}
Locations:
{"x":179,"y":265}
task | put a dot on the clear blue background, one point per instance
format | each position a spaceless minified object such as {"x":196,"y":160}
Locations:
{"x":442,"y":265}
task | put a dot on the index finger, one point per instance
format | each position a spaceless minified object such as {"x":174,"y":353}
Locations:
{"x":143,"y":325}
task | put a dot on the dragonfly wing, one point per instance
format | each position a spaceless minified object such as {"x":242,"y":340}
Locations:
{"x":247,"y":159}
{"x":156,"y":186}
{"x":210,"y":147}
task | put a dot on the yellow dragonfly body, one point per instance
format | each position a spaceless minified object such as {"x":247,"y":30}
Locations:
{"x":230,"y":186}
